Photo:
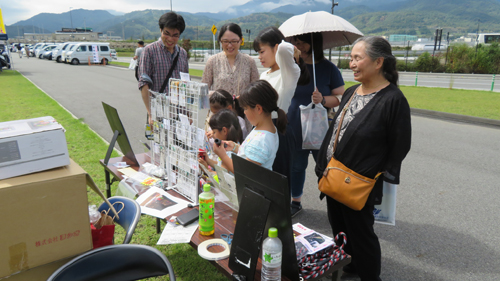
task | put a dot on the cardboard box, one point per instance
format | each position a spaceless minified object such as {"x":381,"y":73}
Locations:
{"x":31,"y":145}
{"x":44,"y":218}
{"x":40,"y":273}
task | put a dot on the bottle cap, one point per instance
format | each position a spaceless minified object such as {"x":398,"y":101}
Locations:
{"x":273,"y":232}
{"x":207,"y":187}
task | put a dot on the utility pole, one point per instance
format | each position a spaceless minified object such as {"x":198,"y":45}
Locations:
{"x":71,"y":18}
{"x":249,"y":35}
{"x":123,"y":32}
{"x":170,"y":5}
{"x":477,"y":34}
{"x":435,"y":41}
{"x":330,"y":51}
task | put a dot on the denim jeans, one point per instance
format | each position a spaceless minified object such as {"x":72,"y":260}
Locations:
{"x":299,"y":159}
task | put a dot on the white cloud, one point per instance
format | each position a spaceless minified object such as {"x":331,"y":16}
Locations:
{"x":268,"y":6}
{"x":17,"y":10}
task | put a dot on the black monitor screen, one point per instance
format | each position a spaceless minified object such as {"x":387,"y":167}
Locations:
{"x":116,"y":125}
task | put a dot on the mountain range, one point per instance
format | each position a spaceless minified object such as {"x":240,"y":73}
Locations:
{"x":382,"y":17}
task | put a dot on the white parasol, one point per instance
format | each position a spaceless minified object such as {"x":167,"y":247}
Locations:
{"x":336,"y":31}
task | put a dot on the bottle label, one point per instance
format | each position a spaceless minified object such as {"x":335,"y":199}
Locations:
{"x":271,"y":258}
{"x":206,"y":220}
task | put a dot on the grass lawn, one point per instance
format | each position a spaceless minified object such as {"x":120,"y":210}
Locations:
{"x":475,"y":103}
{"x":86,"y":148}
{"x":126,"y":64}
{"x":125,"y":54}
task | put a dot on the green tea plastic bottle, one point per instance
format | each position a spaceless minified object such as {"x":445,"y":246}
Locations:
{"x":207,"y":202}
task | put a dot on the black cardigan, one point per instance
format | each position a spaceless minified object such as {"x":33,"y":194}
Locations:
{"x":376,"y":140}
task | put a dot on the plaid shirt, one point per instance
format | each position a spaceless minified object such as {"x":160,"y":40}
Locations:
{"x":155,"y":63}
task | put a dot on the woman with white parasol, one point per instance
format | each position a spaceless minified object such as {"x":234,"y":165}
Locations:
{"x":325,"y":89}
{"x":312,"y":32}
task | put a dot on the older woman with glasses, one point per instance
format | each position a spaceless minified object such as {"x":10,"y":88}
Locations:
{"x":230,"y":70}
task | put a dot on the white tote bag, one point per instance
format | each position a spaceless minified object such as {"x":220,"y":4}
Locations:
{"x":314,"y":121}
{"x":385,"y":213}
{"x":132,"y":65}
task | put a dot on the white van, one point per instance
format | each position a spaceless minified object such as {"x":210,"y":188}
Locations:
{"x":83,"y":53}
{"x":70,"y":47}
{"x":57,"y":53}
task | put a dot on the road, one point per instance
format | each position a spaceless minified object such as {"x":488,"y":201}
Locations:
{"x":447,"y":209}
{"x":442,"y":80}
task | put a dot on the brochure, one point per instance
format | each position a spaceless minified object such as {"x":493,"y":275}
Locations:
{"x":158,"y":203}
{"x":309,"y":241}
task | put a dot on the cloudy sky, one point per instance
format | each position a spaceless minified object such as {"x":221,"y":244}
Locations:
{"x":16,"y":10}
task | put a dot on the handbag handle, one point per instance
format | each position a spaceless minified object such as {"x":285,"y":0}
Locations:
{"x":342,"y":120}
{"x":117,"y":212}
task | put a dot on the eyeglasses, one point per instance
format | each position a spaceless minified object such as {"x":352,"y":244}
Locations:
{"x":232,"y":42}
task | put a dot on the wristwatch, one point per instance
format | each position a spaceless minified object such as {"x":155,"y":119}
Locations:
{"x":323,"y":101}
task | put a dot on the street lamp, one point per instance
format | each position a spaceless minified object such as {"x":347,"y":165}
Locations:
{"x":330,"y":51}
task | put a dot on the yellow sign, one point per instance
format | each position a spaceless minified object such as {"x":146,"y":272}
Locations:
{"x":214,"y":29}
{"x":2,"y":26}
{"x":242,"y":41}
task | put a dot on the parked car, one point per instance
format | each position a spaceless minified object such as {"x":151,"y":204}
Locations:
{"x":47,"y":55}
{"x":39,"y":53}
{"x":113,"y":54}
{"x":83,"y":52}
{"x":36,"y":47}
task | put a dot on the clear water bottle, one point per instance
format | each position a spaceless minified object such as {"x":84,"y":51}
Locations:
{"x":271,"y":256}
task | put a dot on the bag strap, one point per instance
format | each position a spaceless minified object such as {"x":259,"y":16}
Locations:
{"x":342,"y":120}
{"x":116,"y":214}
{"x":164,"y":85}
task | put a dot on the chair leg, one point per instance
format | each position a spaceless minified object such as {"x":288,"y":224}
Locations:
{"x":108,"y":183}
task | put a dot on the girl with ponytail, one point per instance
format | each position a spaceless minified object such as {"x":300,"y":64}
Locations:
{"x":225,"y":127}
{"x":258,"y":101}
{"x":287,"y":70}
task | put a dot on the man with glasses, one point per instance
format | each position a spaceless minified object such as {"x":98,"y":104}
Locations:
{"x":162,"y":57}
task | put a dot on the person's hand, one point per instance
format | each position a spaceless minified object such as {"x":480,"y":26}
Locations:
{"x":229,"y":145}
{"x":203,"y":162}
{"x":296,"y":54}
{"x":221,"y":150}
{"x":209,"y":134}
{"x":150,"y":121}
{"x":317,"y":97}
